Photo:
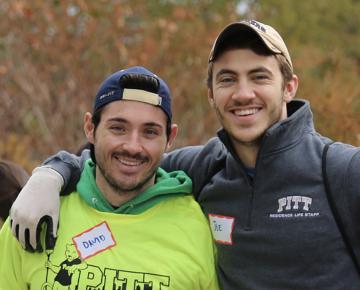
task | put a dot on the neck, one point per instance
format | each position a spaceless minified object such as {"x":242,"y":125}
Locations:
{"x":116,"y":198}
{"x":247,"y":152}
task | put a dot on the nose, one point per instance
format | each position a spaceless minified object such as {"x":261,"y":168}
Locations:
{"x":132,"y":144}
{"x":243,"y":91}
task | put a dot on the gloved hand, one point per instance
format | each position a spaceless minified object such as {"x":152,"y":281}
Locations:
{"x":37,"y":203}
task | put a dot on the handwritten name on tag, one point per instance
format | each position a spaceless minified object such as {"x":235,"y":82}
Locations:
{"x":222,"y":228}
{"x":94,"y":240}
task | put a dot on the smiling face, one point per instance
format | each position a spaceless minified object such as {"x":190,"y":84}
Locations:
{"x":129,"y":143}
{"x":249,"y":95}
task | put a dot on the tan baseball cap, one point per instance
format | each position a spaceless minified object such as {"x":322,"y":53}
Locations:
{"x":269,"y":36}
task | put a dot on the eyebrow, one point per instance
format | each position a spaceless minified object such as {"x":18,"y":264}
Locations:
{"x":153,"y":124}
{"x":260,"y":69}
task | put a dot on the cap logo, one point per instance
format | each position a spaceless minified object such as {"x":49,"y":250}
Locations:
{"x":257,"y":25}
{"x":141,"y":96}
{"x":106,"y":95}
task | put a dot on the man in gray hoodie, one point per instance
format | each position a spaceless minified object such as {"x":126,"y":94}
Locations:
{"x":262,"y":180}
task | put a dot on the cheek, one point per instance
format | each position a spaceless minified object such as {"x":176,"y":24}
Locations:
{"x":219,"y":99}
{"x":157,"y":149}
{"x":106,"y":139}
{"x":104,"y":147}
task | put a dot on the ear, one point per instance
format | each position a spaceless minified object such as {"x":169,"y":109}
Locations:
{"x":174,"y":130}
{"x":89,"y":127}
{"x":211,"y":98}
{"x":290,"y":89}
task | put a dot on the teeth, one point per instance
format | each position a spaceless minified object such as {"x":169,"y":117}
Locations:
{"x":246,"y":112}
{"x":129,"y":162}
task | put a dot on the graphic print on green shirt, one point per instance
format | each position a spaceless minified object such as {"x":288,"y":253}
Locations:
{"x":165,"y":245}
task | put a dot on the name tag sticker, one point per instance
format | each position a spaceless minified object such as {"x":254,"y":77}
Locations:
{"x":222,"y":228}
{"x":94,"y":240}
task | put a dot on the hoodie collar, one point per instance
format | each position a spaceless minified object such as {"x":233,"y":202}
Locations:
{"x":284,"y":133}
{"x":167,"y":185}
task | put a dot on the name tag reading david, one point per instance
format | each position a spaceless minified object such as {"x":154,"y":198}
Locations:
{"x":94,"y":240}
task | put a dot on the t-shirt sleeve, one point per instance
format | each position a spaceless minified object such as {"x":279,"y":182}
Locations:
{"x":10,"y":266}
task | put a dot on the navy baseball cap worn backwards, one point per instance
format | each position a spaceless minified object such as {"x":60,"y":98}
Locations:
{"x":111,"y":90}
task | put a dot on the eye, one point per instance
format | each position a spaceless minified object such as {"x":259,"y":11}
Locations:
{"x":151,"y":132}
{"x":226,"y":79}
{"x":117,"y":129}
{"x":260,"y":77}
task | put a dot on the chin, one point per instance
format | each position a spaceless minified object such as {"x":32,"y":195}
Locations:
{"x":247,"y":139}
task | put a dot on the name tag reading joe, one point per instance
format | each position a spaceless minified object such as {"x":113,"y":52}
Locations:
{"x":222,"y":228}
{"x":94,"y":240}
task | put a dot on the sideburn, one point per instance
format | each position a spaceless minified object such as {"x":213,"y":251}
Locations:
{"x":92,"y":153}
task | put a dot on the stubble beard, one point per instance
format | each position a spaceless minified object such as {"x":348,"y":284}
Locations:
{"x":250,"y":143}
{"x":122,"y":189}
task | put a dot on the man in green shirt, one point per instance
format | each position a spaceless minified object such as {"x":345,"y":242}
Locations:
{"x":129,"y":224}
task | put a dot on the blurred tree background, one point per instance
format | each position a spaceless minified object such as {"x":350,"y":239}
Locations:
{"x":54,"y":54}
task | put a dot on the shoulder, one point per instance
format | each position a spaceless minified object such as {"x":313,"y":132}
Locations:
{"x":184,"y":209}
{"x":198,"y":162}
{"x":343,"y":156}
{"x":72,"y":203}
{"x":182,"y":205}
{"x":214,"y":148}
{"x":343,"y":171}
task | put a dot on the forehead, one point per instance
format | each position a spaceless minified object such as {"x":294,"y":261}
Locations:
{"x":243,"y":60}
{"x":134,"y":112}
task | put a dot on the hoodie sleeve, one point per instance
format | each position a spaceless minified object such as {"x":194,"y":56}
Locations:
{"x":343,"y":167}
{"x":200,"y":163}
{"x":69,"y":166}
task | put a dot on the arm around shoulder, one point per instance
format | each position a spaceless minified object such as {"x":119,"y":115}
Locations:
{"x":69,"y":166}
{"x":42,"y":192}
{"x":59,"y":173}
{"x":200,"y":163}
